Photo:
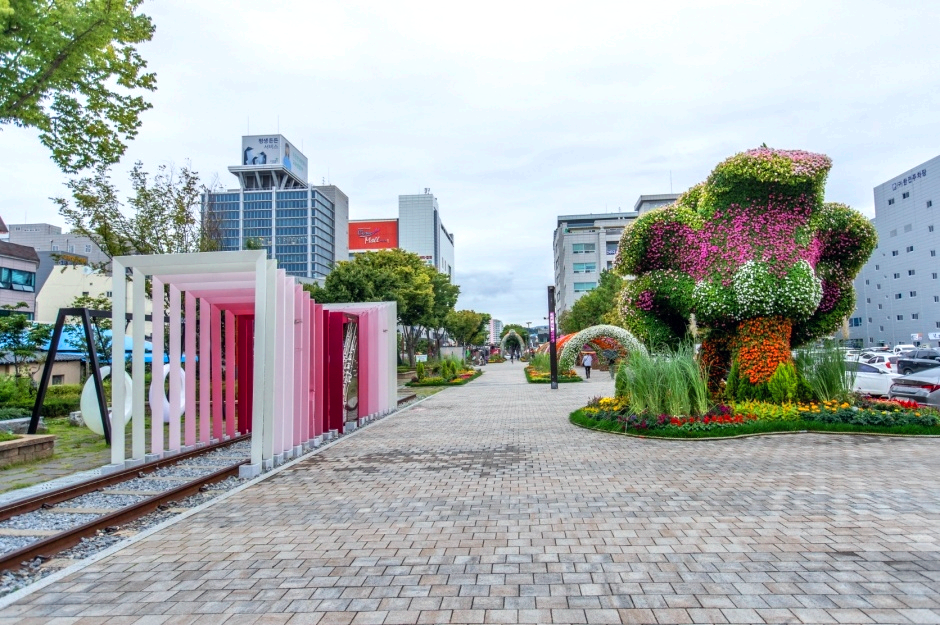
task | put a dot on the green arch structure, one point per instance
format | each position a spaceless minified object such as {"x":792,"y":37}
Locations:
{"x":522,"y":342}
{"x":587,"y":335}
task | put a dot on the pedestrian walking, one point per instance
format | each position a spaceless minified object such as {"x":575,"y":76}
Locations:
{"x":512,"y":356}
{"x":587,"y":362}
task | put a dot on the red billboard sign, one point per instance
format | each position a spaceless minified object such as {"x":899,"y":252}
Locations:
{"x":373,"y":235}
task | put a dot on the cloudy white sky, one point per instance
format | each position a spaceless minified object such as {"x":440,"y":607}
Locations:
{"x":513,"y":113}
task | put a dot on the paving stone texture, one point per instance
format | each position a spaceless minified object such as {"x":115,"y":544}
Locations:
{"x":483,"y":504}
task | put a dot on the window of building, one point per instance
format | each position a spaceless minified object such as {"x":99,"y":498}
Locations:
{"x":17,"y":280}
{"x":882,"y":328}
{"x":900,"y":317}
{"x":936,"y":298}
{"x":908,"y":228}
{"x":911,"y":272}
{"x":109,"y":294}
{"x":611,"y":248}
{"x":905,"y":195}
{"x":869,"y":320}
{"x":610,"y":265}
{"x":585,"y":267}
{"x":937,"y":323}
{"x":894,"y":252}
{"x":890,"y":201}
{"x":910,"y":248}
{"x":84,"y":293}
{"x":894,"y":233}
{"x":87,"y":249}
{"x":71,"y":249}
{"x":866,"y":281}
{"x":855,"y":322}
{"x":915,"y":316}
{"x":878,"y":286}
{"x":868,"y":300}
{"x":880,"y":306}
{"x":929,"y":203}
{"x":55,"y":248}
{"x":933,"y":252}
{"x":898,"y":296}
{"x":877,"y":267}
{"x":929,"y":228}
{"x":934,"y":275}
{"x":913,"y":293}
{"x":58,"y":380}
{"x":583,"y":248}
{"x":896,"y":276}
{"x":584,"y":287}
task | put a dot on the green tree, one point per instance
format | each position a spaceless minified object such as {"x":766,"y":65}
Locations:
{"x":384,"y":276}
{"x":595,"y":308}
{"x":166,"y":214}
{"x":445,"y":298}
{"x":21,"y":339}
{"x":100,"y":328}
{"x":70,"y":69}
{"x":464,"y":326}
{"x":520,"y":330}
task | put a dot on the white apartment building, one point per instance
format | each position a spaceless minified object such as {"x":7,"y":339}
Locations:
{"x":897,"y":293}
{"x":496,"y":328}
{"x":587,"y":244}
{"x":48,"y":238}
{"x":421,"y":231}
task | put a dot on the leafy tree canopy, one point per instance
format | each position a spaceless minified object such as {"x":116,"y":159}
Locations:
{"x":71,"y":69}
{"x":599,"y":307}
{"x":466,"y":326}
{"x":20,"y":338}
{"x":166,"y":212}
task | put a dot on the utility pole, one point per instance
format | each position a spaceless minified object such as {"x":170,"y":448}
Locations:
{"x":552,"y":348}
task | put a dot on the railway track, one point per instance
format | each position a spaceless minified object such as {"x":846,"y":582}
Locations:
{"x":49,"y":523}
{"x":43,"y":526}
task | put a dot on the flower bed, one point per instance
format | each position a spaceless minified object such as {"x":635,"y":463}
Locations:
{"x":462,"y":378}
{"x":534,"y":376}
{"x":862,"y":415}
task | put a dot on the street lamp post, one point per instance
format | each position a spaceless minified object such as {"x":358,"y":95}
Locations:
{"x":528,"y":337}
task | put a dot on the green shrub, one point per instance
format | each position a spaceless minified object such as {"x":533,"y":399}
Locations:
{"x":14,"y":413}
{"x":66,"y":389}
{"x":541,"y":362}
{"x":825,"y":372}
{"x":671,"y":382}
{"x":419,"y":371}
{"x":783,"y":384}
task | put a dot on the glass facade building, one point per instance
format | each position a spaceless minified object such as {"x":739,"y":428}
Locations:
{"x":295,"y":226}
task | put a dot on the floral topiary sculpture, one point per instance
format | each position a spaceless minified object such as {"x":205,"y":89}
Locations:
{"x":755,"y":255}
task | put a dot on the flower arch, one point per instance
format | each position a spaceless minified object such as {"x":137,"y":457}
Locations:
{"x":515,"y":335}
{"x":595,"y":334}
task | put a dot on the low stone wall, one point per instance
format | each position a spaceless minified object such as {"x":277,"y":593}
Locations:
{"x":20,"y":426}
{"x":26,"y":448}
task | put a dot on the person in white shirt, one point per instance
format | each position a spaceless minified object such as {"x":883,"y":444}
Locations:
{"x":587,"y":362}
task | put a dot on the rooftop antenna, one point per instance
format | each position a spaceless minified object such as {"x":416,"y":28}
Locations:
{"x":670,"y":181}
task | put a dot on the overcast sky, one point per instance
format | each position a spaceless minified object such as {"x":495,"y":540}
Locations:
{"x":515,"y":113}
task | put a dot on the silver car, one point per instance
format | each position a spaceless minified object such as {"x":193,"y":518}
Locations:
{"x":922,"y":387}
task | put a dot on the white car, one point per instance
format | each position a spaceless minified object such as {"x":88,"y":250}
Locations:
{"x":869,"y":379}
{"x":904,"y":348}
{"x":885,"y":362}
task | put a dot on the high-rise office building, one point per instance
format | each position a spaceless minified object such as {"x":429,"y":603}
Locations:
{"x":587,"y":244}
{"x":898,"y":291}
{"x":275,"y":209}
{"x":495,"y":330}
{"x":418,"y":229}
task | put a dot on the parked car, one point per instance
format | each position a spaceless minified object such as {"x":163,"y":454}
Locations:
{"x":885,"y":362}
{"x":868,"y":379}
{"x":904,"y":348}
{"x":922,"y":387}
{"x":918,"y":360}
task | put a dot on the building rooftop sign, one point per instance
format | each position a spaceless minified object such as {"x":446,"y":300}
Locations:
{"x":262,"y":150}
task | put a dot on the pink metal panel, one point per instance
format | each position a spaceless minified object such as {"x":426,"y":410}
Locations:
{"x":297,"y":397}
{"x":216,"y":316}
{"x":319,"y":367}
{"x":230,"y":371}
{"x":205,"y":408}
{"x":191,"y":368}
{"x":156,"y":367}
{"x":174,"y":375}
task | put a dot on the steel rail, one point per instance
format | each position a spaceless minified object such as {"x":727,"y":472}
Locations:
{"x":75,"y":490}
{"x":52,"y":545}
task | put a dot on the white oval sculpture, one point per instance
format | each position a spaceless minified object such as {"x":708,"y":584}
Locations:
{"x":159,"y":402}
{"x":89,"y":402}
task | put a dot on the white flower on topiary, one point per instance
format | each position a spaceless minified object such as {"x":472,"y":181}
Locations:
{"x":585,"y":336}
{"x":760,"y":293}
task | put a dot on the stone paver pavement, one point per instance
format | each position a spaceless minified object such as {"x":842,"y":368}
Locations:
{"x":483,"y":504}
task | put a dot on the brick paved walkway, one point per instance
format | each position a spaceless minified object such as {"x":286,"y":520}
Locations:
{"x":483,"y":504}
